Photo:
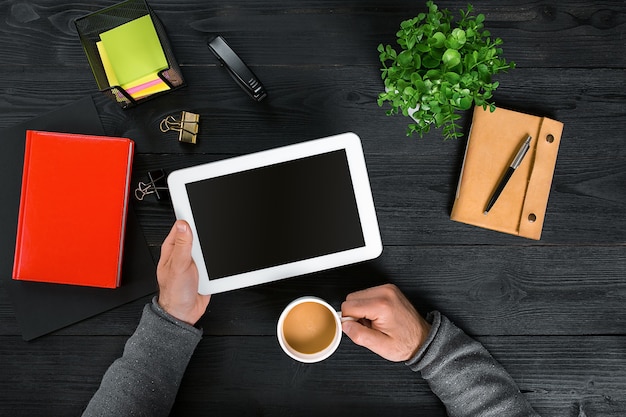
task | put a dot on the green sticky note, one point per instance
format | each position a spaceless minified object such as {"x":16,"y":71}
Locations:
{"x":134,"y":50}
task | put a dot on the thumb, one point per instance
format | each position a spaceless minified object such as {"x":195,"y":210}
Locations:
{"x":181,"y":252}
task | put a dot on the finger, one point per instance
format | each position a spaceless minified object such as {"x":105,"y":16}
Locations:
{"x":364,"y":336}
{"x":362,"y":308}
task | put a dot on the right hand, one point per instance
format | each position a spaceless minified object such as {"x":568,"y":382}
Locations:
{"x":387,"y":323}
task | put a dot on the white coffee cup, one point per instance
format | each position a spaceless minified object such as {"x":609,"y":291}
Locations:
{"x":309,"y":329}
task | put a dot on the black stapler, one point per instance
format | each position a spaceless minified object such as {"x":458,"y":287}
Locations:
{"x":237,"y":68}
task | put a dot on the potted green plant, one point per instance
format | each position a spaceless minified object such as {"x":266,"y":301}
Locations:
{"x":441,"y":68}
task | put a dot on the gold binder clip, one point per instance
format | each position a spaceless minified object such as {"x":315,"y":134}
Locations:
{"x":186,"y":126}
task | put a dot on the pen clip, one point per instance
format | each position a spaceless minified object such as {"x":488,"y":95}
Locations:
{"x":521,"y":153}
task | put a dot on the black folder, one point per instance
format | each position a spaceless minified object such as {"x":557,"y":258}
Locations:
{"x":42,"y":308}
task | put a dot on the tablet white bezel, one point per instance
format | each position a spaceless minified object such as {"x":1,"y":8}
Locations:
{"x":349,"y":142}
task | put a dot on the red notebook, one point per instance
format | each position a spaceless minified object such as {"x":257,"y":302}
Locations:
{"x":73,"y":209}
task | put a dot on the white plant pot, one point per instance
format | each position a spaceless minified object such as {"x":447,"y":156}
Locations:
{"x":411,"y":111}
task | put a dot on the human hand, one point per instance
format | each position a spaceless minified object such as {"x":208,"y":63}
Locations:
{"x":177,"y":275}
{"x":387,"y":323}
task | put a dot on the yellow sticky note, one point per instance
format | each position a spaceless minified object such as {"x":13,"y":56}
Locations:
{"x":108,"y":69}
{"x":134,"y":50}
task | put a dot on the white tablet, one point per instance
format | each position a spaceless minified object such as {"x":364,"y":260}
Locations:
{"x":279,"y":213}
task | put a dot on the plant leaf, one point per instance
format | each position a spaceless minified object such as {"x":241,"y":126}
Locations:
{"x":437,"y":40}
{"x":429,"y":62}
{"x":405,"y":58}
{"x":452,"y":77}
{"x":451,"y":58}
{"x":465,"y":103}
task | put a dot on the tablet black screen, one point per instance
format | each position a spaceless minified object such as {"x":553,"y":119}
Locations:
{"x":276,"y":214}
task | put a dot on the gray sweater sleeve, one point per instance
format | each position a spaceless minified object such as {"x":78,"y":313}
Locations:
{"x":145,"y":380}
{"x":465,"y":377}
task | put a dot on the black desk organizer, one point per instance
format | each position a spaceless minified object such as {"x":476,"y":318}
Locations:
{"x":91,"y":26}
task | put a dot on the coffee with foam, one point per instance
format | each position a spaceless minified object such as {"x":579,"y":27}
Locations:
{"x":309,"y":327}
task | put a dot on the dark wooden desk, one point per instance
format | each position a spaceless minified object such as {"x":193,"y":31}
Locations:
{"x":552,"y":312}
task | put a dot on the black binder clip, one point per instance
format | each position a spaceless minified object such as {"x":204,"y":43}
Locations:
{"x":187,"y":126}
{"x":157,"y":185}
{"x":237,"y":69}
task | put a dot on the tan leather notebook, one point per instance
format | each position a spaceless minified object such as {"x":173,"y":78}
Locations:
{"x":493,"y":142}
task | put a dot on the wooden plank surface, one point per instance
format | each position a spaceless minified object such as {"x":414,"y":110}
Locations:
{"x":551,"y":311}
{"x":231,"y":375}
